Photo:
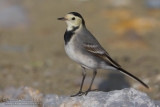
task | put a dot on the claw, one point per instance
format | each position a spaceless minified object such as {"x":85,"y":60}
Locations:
{"x":89,"y":90}
{"x":80,"y":93}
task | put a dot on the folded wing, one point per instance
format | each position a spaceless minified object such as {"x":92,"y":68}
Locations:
{"x":98,"y":51}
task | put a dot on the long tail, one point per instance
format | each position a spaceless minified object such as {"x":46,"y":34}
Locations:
{"x":115,"y":66}
{"x":132,"y":76}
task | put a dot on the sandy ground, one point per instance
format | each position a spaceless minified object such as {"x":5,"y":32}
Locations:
{"x":32,"y":53}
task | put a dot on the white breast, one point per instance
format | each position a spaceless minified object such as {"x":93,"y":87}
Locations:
{"x":70,"y":50}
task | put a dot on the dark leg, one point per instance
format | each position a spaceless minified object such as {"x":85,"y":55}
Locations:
{"x":89,"y":89}
{"x":80,"y":91}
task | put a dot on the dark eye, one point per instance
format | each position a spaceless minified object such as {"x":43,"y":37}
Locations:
{"x":73,"y":18}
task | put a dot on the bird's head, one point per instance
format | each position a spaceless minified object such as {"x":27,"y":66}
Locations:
{"x":73,"y":19}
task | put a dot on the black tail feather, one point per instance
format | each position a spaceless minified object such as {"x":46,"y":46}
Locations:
{"x":132,"y":76}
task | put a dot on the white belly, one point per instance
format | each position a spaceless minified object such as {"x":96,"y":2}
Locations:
{"x":70,"y":50}
{"x":78,"y":57}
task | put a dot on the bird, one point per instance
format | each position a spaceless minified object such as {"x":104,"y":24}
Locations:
{"x":82,"y":47}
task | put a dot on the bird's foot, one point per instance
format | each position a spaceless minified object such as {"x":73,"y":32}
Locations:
{"x":80,"y":93}
{"x":89,"y":90}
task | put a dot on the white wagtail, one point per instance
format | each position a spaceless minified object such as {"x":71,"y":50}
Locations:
{"x":82,"y":47}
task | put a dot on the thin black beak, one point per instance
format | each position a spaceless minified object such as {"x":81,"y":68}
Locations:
{"x":62,"y":18}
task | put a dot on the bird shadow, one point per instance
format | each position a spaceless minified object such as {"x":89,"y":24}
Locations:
{"x":114,"y":81}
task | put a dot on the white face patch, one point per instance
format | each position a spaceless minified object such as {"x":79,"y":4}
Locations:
{"x":72,"y":21}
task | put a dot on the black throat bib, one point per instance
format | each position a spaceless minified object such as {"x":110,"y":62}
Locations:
{"x":68,"y":34}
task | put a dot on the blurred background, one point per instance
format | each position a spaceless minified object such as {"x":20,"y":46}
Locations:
{"x":32,"y":46}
